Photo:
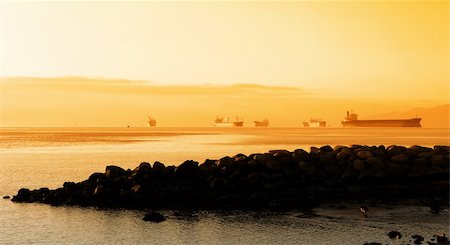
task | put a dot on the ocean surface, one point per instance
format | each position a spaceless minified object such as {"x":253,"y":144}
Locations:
{"x":47,"y":157}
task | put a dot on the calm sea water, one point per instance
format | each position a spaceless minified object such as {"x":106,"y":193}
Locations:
{"x":37,"y":157}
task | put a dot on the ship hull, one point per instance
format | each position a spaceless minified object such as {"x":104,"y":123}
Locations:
{"x":414,"y":122}
{"x":229,"y":124}
{"x":320,"y":124}
{"x":261,"y":123}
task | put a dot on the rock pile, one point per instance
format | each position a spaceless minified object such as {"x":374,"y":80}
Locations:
{"x":279,"y":179}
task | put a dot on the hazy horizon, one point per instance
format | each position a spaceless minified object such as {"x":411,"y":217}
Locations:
{"x":115,"y":63}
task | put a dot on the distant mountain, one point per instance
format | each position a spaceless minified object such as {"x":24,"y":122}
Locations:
{"x":434,"y":117}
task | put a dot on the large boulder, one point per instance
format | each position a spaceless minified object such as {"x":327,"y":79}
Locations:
{"x":188,"y":170}
{"x":114,"y":172}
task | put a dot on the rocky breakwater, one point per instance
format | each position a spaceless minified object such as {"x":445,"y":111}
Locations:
{"x":279,"y":179}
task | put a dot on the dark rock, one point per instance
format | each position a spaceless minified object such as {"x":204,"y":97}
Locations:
{"x":273,"y":165}
{"x":328,"y":159}
{"x":394,"y":235}
{"x":441,"y":149}
{"x":188,"y":170}
{"x":358,"y":164}
{"x":159,"y":167}
{"x":400,"y":158}
{"x":225,"y":162}
{"x":395,"y":150}
{"x":219,"y":184}
{"x":300,"y":155}
{"x":326,"y":148}
{"x":98,"y":178}
{"x":23,"y":195}
{"x":375,"y":163}
{"x":372,"y":243}
{"x":154,"y":217}
{"x":262,"y":158}
{"x":6,"y":197}
{"x":418,"y":239}
{"x":364,"y":154}
{"x":393,"y":169}
{"x":114,"y":171}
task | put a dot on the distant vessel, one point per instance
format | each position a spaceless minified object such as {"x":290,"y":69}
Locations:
{"x":315,"y":123}
{"x":151,"y":121}
{"x":220,"y":122}
{"x":263,"y":123}
{"x":352,"y":121}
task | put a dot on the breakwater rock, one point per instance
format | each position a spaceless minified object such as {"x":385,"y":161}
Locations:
{"x":279,"y":179}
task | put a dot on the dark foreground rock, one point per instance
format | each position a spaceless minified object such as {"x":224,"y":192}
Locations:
{"x":277,"y":180}
{"x":154,"y":217}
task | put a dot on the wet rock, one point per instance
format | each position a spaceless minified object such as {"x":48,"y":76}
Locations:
{"x":394,"y":235}
{"x":154,"y":217}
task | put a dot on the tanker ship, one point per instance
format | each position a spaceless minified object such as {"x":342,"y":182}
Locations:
{"x":351,"y":120}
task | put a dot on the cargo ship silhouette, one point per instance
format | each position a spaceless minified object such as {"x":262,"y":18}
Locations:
{"x":263,"y":123}
{"x":351,"y":120}
{"x":220,"y":122}
{"x":315,"y":123}
{"x":151,"y":121}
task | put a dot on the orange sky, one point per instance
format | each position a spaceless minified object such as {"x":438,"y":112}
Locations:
{"x":307,"y":59}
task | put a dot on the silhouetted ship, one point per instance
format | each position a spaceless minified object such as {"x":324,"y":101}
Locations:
{"x":352,"y":121}
{"x":220,"y":122}
{"x":263,"y":123}
{"x":151,"y":122}
{"x":315,"y":123}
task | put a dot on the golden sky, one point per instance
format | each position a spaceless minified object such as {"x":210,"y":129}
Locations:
{"x":306,"y":59}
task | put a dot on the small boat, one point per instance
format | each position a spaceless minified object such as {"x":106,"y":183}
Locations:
{"x":315,"y":123}
{"x":220,"y":122}
{"x":151,"y":121}
{"x":263,"y":123}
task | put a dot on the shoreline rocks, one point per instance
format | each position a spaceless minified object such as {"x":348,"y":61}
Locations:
{"x":277,"y":180}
